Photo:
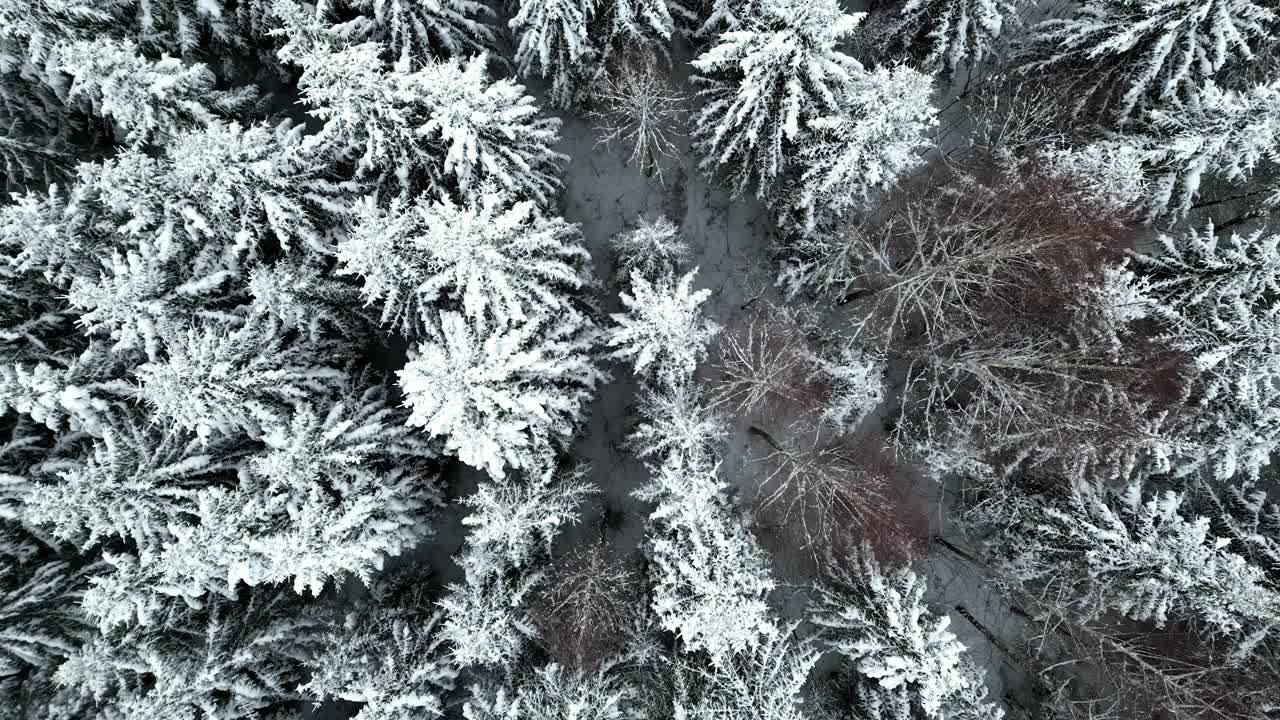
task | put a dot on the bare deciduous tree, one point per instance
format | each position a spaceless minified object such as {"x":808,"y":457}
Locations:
{"x":1005,"y":301}
{"x":637,"y":106}
{"x":585,"y":607}
{"x":765,"y":366}
{"x":826,"y":491}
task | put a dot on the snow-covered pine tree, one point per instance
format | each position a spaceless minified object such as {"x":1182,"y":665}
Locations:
{"x":215,"y":379}
{"x":760,"y":683}
{"x":763,"y":84}
{"x":553,"y":692}
{"x":36,"y":696}
{"x":1252,"y":522}
{"x":32,"y":31}
{"x":27,"y":450}
{"x":34,"y":323}
{"x":82,"y":392}
{"x":146,"y":99}
{"x":335,"y":492}
{"x":864,"y":145}
{"x":662,"y":332}
{"x":226,"y":659}
{"x":494,"y":261}
{"x":389,"y":659}
{"x":183,"y":227}
{"x":710,"y":577}
{"x":1139,"y":554}
{"x":939,"y":36}
{"x":42,"y":135}
{"x":446,"y":125}
{"x":654,"y":248}
{"x":184,"y":27}
{"x":1110,"y":172}
{"x":553,"y":42}
{"x":727,"y":16}
{"x":506,"y":396}
{"x":486,"y":622}
{"x":141,"y":292}
{"x":38,"y":141}
{"x":40,"y":618}
{"x":422,"y":29}
{"x":490,"y":132}
{"x":677,"y":423}
{"x":512,"y":524}
{"x":304,"y":296}
{"x":1218,"y":133}
{"x":1130,"y":55}
{"x":255,"y":189}
{"x":1218,"y":296}
{"x":877,"y":619}
{"x":136,"y":482}
{"x":651,"y":23}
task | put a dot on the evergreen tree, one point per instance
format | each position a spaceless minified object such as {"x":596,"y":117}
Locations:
{"x":304,"y":297}
{"x":728,"y":16}
{"x":491,"y":133}
{"x":34,"y":324}
{"x":876,"y":618}
{"x":255,"y":188}
{"x":1110,"y":172}
{"x":553,"y":692}
{"x":1218,"y":296}
{"x":37,"y":136}
{"x":226,"y":659}
{"x":40,"y":619}
{"x":134,"y":485}
{"x":82,"y":392}
{"x":495,"y":261}
{"x":50,"y":238}
{"x":1140,"y":554}
{"x":140,"y":293}
{"x":710,"y":578}
{"x":214,"y":379}
{"x":764,"y":84}
{"x":942,"y":35}
{"x":857,"y":386}
{"x":422,"y":29}
{"x":655,"y":23}
{"x":764,"y":682}
{"x":486,"y":619}
{"x":662,"y":332}
{"x":333,"y":493}
{"x":654,"y":248}
{"x":865,"y":145}
{"x":390,"y":659}
{"x":512,"y":527}
{"x":677,"y":424}
{"x":445,"y":125}
{"x":1132,"y":55}
{"x":41,"y":134}
{"x":144,"y":98}
{"x":512,"y":524}
{"x":502,"y":397}
{"x":553,"y":42}
{"x":1218,"y":133}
